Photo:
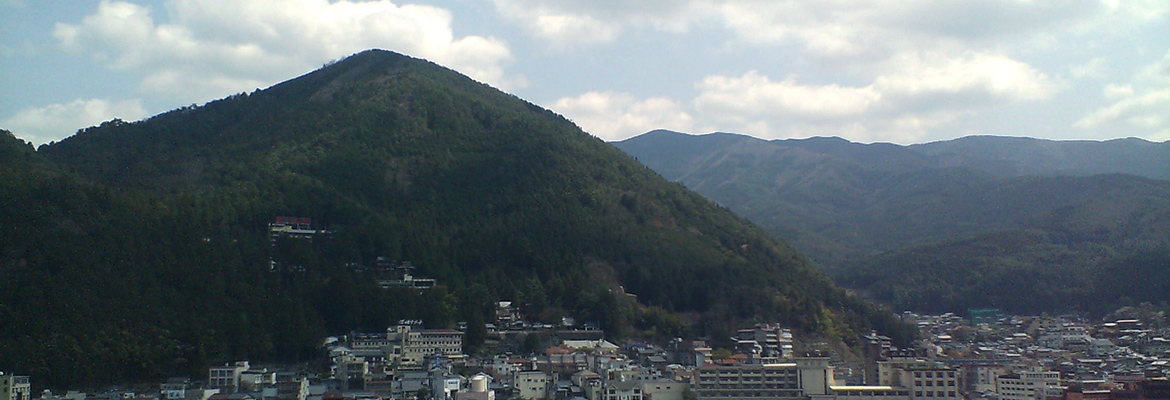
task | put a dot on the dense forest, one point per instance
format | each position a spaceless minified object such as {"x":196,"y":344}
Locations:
{"x":137,"y":250}
{"x":1026,"y":225}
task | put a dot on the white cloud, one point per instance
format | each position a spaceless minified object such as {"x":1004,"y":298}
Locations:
{"x":913,"y":94}
{"x":564,"y":23}
{"x":56,"y":121}
{"x":1093,"y":69}
{"x":615,"y":116}
{"x":196,"y":50}
{"x":1143,"y":105}
{"x":969,"y":79}
{"x":755,"y":94}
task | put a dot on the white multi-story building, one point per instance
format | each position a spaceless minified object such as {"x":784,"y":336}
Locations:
{"x":406,"y":345}
{"x":907,"y":378}
{"x":531,"y":385}
{"x":767,"y":343}
{"x":14,"y":387}
{"x":985,"y":376}
{"x":932,"y":381}
{"x":227,"y":377}
{"x":1057,"y":337}
{"x":806,"y":377}
{"x":1033,"y":384}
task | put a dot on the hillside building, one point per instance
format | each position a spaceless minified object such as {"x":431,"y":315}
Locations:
{"x":226,"y":378}
{"x":405,"y":345}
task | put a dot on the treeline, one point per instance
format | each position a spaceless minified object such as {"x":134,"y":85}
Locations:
{"x":1024,"y":272}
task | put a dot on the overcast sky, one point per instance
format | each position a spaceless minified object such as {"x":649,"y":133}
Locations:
{"x":902,"y":71}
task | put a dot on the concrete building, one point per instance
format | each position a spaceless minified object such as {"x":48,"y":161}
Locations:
{"x":174,"y":388}
{"x":405,"y":345}
{"x":227,"y":377}
{"x":870,"y":393}
{"x":292,"y":389}
{"x":15,"y":387}
{"x":531,"y":385}
{"x":622,"y":390}
{"x":985,"y":376}
{"x":811,"y":376}
{"x":479,"y":389}
{"x":1060,"y":337}
{"x":932,"y":381}
{"x":663,"y":389}
{"x":765,"y":343}
{"x":1028,"y":385}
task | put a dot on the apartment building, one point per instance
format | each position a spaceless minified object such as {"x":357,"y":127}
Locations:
{"x":805,"y":377}
{"x":1031,"y":384}
{"x":15,"y":387}
{"x":406,"y":345}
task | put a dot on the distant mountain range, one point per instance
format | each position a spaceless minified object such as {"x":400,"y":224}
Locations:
{"x":1025,"y":224}
{"x":135,"y":251}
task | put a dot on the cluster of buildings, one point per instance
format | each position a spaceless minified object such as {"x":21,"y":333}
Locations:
{"x":995,"y":357}
{"x":1041,"y":357}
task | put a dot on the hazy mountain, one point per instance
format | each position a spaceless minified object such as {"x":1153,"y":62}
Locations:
{"x":140,"y":250}
{"x":1014,"y":156}
{"x":885,"y":218}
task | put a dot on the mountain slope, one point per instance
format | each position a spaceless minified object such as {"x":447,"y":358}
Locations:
{"x":905,"y":223}
{"x":494,"y":197}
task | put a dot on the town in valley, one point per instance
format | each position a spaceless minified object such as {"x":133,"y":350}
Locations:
{"x":988,"y":355}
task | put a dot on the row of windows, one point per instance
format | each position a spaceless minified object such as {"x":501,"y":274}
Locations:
{"x":770,"y":394}
{"x":749,"y":379}
{"x":931,"y":374}
{"x":872,"y":394}
{"x":932,"y":383}
{"x":930,"y":393}
{"x":752,"y":386}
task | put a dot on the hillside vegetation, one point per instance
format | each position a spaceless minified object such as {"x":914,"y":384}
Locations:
{"x":1023,"y":224}
{"x":140,"y":250}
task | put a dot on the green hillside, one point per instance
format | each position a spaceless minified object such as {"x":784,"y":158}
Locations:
{"x":1022,"y":224}
{"x":140,"y":250}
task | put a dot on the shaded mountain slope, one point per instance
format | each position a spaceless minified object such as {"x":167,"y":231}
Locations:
{"x":498,"y":199}
{"x":903,"y":223}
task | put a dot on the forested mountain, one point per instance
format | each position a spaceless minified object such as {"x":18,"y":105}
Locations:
{"x":1024,"y":224}
{"x":140,"y":250}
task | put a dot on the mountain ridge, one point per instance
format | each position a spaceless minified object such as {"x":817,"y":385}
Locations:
{"x":868,"y":213}
{"x":494,"y":197}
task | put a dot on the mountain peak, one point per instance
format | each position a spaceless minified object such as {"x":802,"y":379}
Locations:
{"x":494,"y":197}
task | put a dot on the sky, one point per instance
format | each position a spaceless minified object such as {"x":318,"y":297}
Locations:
{"x":900,"y":71}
